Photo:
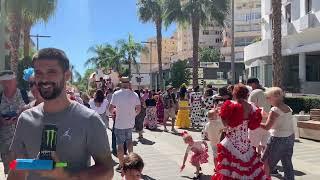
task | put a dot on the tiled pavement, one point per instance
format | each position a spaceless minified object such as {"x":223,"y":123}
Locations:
{"x":163,"y":154}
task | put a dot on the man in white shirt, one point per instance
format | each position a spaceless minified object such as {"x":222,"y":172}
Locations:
{"x":127,"y":105}
{"x":259,"y":136}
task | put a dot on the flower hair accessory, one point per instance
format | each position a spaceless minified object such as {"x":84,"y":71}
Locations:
{"x":184,"y":134}
{"x":27,"y":73}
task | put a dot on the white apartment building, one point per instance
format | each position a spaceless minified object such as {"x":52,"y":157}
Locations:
{"x":300,"y":46}
{"x":247,"y":16}
{"x":209,"y":36}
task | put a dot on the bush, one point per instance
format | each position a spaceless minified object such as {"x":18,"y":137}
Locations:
{"x":298,"y":104}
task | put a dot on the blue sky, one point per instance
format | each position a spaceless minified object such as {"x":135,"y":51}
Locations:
{"x":80,"y":24}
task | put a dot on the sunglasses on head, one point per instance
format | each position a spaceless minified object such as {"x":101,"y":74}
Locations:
{"x":31,"y":84}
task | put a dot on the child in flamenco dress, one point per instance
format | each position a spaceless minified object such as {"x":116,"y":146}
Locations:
{"x":199,"y":151}
{"x":237,"y":158}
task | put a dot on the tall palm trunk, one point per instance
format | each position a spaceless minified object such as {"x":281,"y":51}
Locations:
{"x":195,"y":23}
{"x":26,"y":38}
{"x":130,"y":61}
{"x":276,"y":55}
{"x":14,"y":20}
{"x":159,"y":48}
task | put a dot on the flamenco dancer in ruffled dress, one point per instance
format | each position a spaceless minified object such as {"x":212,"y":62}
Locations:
{"x":237,"y":159}
{"x":199,"y":151}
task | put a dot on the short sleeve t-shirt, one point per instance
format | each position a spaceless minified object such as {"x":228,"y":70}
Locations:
{"x":81,"y":134}
{"x":125,"y":101}
{"x":258,"y":97}
{"x":283,"y":125}
{"x":151,"y":102}
{"x":99,"y":109}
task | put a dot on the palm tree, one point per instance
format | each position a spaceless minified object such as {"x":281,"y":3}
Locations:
{"x":106,"y":56}
{"x":23,"y":14}
{"x":153,"y":11}
{"x":13,"y":9}
{"x":75,"y":75}
{"x":38,"y":10}
{"x":130,"y":51}
{"x":196,"y":13}
{"x":277,"y":55}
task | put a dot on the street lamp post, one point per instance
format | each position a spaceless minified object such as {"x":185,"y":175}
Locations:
{"x":39,"y":36}
{"x":151,"y":45}
{"x":233,"y":78}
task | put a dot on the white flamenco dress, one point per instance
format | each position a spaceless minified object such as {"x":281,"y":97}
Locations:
{"x":237,"y":159}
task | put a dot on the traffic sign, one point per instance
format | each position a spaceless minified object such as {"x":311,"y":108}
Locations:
{"x":209,"y":64}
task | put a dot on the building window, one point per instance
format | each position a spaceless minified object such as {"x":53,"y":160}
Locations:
{"x":220,"y":75}
{"x":288,"y":12}
{"x":255,"y":72}
{"x":205,"y":32}
{"x":313,"y":68}
{"x":268,"y":75}
{"x":308,"y":5}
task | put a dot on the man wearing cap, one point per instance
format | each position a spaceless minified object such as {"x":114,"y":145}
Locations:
{"x":170,"y":108}
{"x":81,"y":133}
{"x":127,"y":105}
{"x":259,"y":136}
{"x":11,"y":104}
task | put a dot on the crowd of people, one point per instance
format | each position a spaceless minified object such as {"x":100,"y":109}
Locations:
{"x":248,"y":137}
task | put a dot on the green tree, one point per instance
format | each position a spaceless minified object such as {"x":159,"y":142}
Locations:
{"x":13,"y":11}
{"x":209,"y":55}
{"x":277,"y":62}
{"x":75,"y":75}
{"x":179,"y":73}
{"x":106,"y":56}
{"x":82,"y":83}
{"x":130,"y":51}
{"x":197,"y":13}
{"x":23,"y":14}
{"x":153,"y":11}
{"x":37,"y":11}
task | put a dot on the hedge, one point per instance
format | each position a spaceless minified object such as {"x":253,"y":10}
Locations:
{"x":299,"y":104}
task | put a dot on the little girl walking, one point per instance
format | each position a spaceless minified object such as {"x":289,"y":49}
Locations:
{"x":199,"y":153}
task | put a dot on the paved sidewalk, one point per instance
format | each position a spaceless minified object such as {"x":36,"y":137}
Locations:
{"x":163,"y":154}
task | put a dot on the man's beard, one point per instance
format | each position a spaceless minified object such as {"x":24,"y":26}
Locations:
{"x":52,"y":92}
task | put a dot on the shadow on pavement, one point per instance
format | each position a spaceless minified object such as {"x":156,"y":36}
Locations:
{"x":146,"y":177}
{"x":194,"y":130}
{"x":146,"y":142}
{"x":296,"y":172}
{"x":203,"y":177}
{"x":155,"y":130}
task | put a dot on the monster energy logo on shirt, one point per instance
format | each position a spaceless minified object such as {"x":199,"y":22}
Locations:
{"x":51,"y":138}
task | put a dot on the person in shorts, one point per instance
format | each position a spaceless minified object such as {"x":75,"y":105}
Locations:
{"x":128,"y":106}
{"x":170,"y":108}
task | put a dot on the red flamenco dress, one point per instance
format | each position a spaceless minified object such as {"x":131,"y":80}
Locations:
{"x":237,"y":159}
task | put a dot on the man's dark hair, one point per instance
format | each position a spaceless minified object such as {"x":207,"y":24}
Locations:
{"x":253,"y":80}
{"x":52,"y":54}
{"x":196,"y":89}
